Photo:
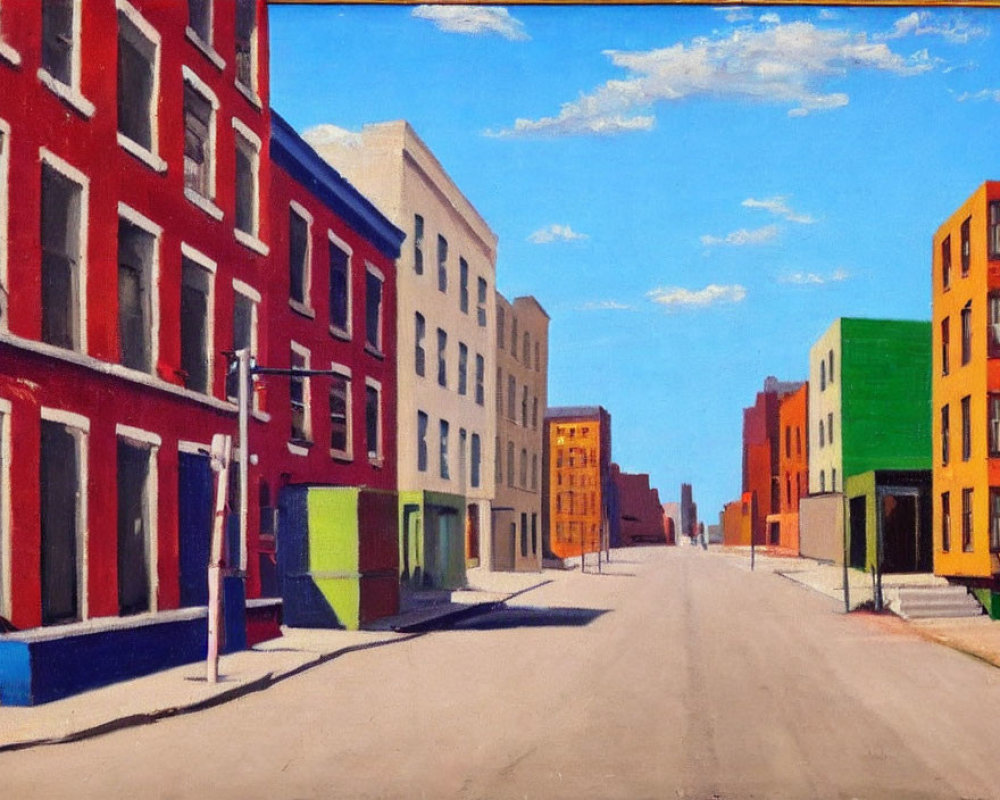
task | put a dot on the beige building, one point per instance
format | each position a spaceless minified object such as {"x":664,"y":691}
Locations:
{"x":446,"y":281}
{"x":521,"y":399}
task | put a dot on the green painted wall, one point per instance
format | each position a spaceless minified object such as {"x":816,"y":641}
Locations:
{"x":886,"y":374}
{"x":436,"y":541}
{"x":857,"y":486}
{"x":989,"y":600}
{"x":333,"y":550}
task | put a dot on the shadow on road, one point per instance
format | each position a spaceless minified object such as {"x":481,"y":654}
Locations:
{"x":529,"y":617}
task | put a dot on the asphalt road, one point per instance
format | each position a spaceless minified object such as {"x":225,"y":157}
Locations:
{"x":681,"y":675}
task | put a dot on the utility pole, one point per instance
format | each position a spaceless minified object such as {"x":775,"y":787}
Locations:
{"x":221,"y":453}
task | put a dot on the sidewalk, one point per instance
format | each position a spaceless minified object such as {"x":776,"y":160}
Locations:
{"x":184,"y":689}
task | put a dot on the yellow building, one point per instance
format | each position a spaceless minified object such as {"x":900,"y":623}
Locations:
{"x":966,"y":393}
{"x":577,"y":458}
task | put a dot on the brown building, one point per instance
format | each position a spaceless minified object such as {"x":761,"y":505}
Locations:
{"x":793,"y":464}
{"x":577,"y":472}
{"x":638,"y":510}
{"x":521,"y":395}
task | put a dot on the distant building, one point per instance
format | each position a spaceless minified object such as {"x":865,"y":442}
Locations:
{"x":522,"y":353}
{"x":793,"y":464}
{"x":672,"y":521}
{"x":639,"y":511}
{"x":577,"y":471}
{"x":689,"y":512}
{"x":966,"y":395}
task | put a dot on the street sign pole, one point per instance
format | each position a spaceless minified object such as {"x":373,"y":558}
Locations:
{"x":221,"y":453}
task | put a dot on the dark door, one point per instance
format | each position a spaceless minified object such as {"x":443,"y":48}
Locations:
{"x":133,"y":528}
{"x":194,"y":512}
{"x":899,"y":533}
{"x":859,"y":531}
{"x":59,"y":483}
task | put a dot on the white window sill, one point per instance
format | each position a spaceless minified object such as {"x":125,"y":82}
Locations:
{"x":260,"y":416}
{"x":207,"y":50}
{"x":148,"y":158}
{"x":341,"y":455}
{"x":249,"y":94}
{"x":340,"y":333}
{"x":69,"y":94}
{"x":203,"y":203}
{"x":251,"y":241}
{"x":376,"y":461}
{"x":374,"y":351}
{"x":10,"y":55}
{"x":301,"y":308}
{"x":298,"y":449}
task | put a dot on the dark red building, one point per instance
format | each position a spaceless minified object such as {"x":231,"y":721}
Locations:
{"x":640,"y":515}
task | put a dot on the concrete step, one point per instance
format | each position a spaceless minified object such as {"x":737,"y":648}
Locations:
{"x":919,"y":592}
{"x":938,"y":601}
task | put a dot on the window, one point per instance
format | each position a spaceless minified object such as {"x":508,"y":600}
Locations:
{"x":246,"y":44}
{"x":340,"y":413}
{"x":373,"y":419}
{"x":966,"y":251}
{"x":197,"y":278}
{"x":60,"y":56}
{"x":137,"y":282}
{"x":422,"y":441}
{"x":524,"y":406}
{"x":788,"y":441}
{"x":994,"y":231}
{"x":534,"y":534}
{"x":945,"y":434}
{"x":527,"y":350}
{"x":829,"y":428}
{"x":443,"y":460}
{"x":946,"y":521}
{"x":138,"y":68}
{"x":994,"y":520}
{"x":463,"y":285}
{"x":200,"y":106}
{"x":994,"y":432}
{"x":463,"y":367}
{"x":822,"y":438}
{"x":476,"y":455}
{"x":822,"y":481}
{"x":830,"y":359}
{"x":497,"y":471}
{"x":373,"y":307}
{"x":966,"y":428}
{"x":967,"y":333}
{"x":244,"y":329}
{"x":511,"y":397}
{"x":524,"y":469}
{"x":534,"y":413}
{"x":442,"y":263}
{"x":247,"y":179}
{"x":993,"y":334}
{"x":510,"y":463}
{"x":822,"y":375}
{"x":524,"y":535}
{"x":513,"y":337}
{"x":798,"y":441}
{"x":499,"y":391}
{"x":481,"y":302}
{"x":136,"y":525}
{"x":480,"y":378}
{"x":200,"y":19}
{"x":501,"y":327}
{"x":63,"y":483}
{"x":538,"y":356}
{"x":946,"y":263}
{"x":419,"y":334}
{"x":299,"y":256}
{"x":946,"y":345}
{"x":340,"y":286}
{"x":833,"y":479}
{"x":63,"y":240}
{"x":534,"y":471}
{"x":418,"y":244}
{"x":967,"y":520}
{"x":298,"y":387}
{"x":442,"y":359}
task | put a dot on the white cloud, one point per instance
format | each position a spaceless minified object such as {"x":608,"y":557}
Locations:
{"x":770,"y":19}
{"x":735,"y":14}
{"x":814,"y":278}
{"x":922,"y":23}
{"x":984,"y":94}
{"x":786,"y":64}
{"x":827,"y":14}
{"x":473,"y":20}
{"x":555,"y":233}
{"x":779,"y":207}
{"x":743,"y":237}
{"x":606,"y":305}
{"x":331,"y":134}
{"x":676,"y":297}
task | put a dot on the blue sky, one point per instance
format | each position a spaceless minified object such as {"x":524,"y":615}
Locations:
{"x":692,"y":193}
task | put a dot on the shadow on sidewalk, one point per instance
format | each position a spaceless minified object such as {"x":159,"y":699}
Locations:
{"x":529,"y":617}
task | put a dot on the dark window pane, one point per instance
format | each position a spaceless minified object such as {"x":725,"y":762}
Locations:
{"x":338,"y":288}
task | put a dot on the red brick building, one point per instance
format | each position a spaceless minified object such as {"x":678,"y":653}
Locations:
{"x":640,"y":514}
{"x":793,"y":464}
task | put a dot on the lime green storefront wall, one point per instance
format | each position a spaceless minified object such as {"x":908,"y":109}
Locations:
{"x":862,"y":485}
{"x":432,"y":539}
{"x":886,"y":411}
{"x":333,"y":559}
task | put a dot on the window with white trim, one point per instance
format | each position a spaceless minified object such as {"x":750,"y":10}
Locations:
{"x":442,"y":357}
{"x":340,"y":286}
{"x":419,"y":353}
{"x":442,"y":254}
{"x":136,"y":484}
{"x":481,"y":302}
{"x":373,"y":419}
{"x":246,"y":44}
{"x":197,"y":283}
{"x":247,"y":181}
{"x":245,"y":301}
{"x":299,"y":395}
{"x":63,"y":239}
{"x":138,"y":81}
{"x":422,"y":421}
{"x":476,"y":457}
{"x":60,"y":41}
{"x":463,"y":367}
{"x":444,"y":470}
{"x":200,"y":19}
{"x":137,"y":252}
{"x":463,"y":285}
{"x":340,"y":413}
{"x":374,"y":280}
{"x":480,"y":379}
{"x":418,"y":244}
{"x":299,"y":256}
{"x":200,"y":107}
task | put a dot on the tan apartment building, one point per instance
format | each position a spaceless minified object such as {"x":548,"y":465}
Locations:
{"x":522,"y":360}
{"x":446,"y":283}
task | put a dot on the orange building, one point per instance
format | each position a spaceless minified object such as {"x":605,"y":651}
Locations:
{"x":793,"y":464}
{"x":966,"y":394}
{"x":576,"y":492}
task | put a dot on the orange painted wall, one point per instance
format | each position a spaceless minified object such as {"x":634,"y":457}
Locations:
{"x":575,"y":486}
{"x":793,"y":462}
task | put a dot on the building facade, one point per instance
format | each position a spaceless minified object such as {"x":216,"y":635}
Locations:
{"x":577,"y":470}
{"x":639,"y":511}
{"x":522,"y":329}
{"x":793,"y":464}
{"x":446,"y":280}
{"x":966,"y":393}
